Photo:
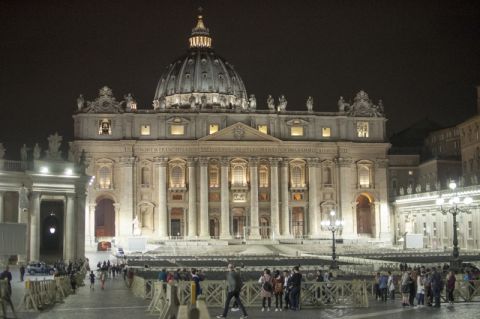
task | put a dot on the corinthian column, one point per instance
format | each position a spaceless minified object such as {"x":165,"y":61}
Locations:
{"x":1,"y":207}
{"x":285,"y":199}
{"x":313,"y":210}
{"x":254,"y":231}
{"x":70,"y":223}
{"x":204,"y":233}
{"x":124,"y":223}
{"x":192,"y":199}
{"x":35,"y":227}
{"x":274,"y":200}
{"x":225,"y":207}
{"x":161,"y":164}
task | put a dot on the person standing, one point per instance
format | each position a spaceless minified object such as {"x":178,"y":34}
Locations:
{"x":92,"y":280}
{"x":421,"y":289}
{"x":450,"y":286}
{"x":437,"y":285}
{"x":383,"y":286}
{"x":103,"y":276}
{"x":405,"y":288}
{"x":22,"y":272}
{"x":295,"y":283}
{"x":196,"y":278}
{"x":286,"y":282}
{"x":391,"y":285}
{"x":234,"y":285}
{"x":6,"y":274}
{"x":278,"y":283}
{"x":266,"y":289}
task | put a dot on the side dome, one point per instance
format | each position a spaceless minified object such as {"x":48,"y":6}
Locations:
{"x":200,"y":78}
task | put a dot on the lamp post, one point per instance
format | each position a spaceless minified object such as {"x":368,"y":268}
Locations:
{"x":332,"y":225}
{"x":453,"y":207}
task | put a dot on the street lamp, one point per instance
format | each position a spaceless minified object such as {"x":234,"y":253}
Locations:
{"x":453,"y":207}
{"x":332,"y":225}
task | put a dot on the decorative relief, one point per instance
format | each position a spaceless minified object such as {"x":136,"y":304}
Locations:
{"x":104,"y":103}
{"x":127,"y":160}
{"x":224,"y":161}
{"x":313,"y":162}
{"x":253,"y":161}
{"x":238,"y":132}
{"x":203,"y":161}
{"x":274,"y":161}
{"x":362,"y":106}
{"x":161,"y":161}
{"x":191,"y":161}
{"x":344,"y":161}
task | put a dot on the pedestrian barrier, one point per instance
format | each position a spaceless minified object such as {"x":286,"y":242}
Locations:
{"x":42,"y":293}
{"x":313,"y":294}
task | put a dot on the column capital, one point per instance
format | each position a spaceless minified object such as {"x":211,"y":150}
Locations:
{"x":127,"y":160}
{"x":224,"y":161}
{"x":161,"y":161}
{"x":274,"y":161}
{"x":253,"y":161}
{"x":116,"y":206}
{"x":191,"y":161}
{"x":344,"y":161}
{"x":203,"y":161}
{"x":313,"y":162}
{"x":285,"y":162}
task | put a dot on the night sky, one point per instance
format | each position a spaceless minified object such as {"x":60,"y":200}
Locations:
{"x":422,"y":58}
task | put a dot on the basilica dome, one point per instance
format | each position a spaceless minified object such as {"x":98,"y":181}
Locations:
{"x":200,"y":78}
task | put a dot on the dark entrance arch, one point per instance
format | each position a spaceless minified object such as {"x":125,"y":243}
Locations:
{"x":105,"y":218}
{"x":51,"y":229}
{"x":364,"y":215}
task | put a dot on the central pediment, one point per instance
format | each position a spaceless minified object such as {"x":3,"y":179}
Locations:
{"x":240,"y":132}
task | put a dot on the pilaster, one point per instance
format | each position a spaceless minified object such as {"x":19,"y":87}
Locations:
{"x":274,"y":197}
{"x":204,"y":232}
{"x":161,"y":164}
{"x":254,"y":221}
{"x":192,"y":198}
{"x":225,"y":199}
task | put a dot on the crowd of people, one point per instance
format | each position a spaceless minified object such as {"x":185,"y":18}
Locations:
{"x":420,"y":286}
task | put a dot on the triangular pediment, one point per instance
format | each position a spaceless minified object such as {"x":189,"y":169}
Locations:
{"x":239,"y":132}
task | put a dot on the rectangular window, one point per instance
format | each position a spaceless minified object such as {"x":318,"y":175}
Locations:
{"x":297,"y":196}
{"x":105,"y":127}
{"x":296,"y":131}
{"x":362,"y":129}
{"x":263,"y":128}
{"x":145,"y":129}
{"x":212,"y":128}
{"x":177,"y":129}
{"x":325,"y":132}
{"x":177,"y":197}
{"x":424,"y":229}
{"x":470,"y":230}
{"x":434,"y":229}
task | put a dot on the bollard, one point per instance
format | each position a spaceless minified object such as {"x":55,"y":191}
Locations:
{"x":193,"y":290}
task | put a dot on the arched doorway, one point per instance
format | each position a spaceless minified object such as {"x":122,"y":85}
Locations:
{"x":51,"y":229}
{"x":264,"y":227}
{"x":298,"y":222}
{"x":105,"y":218}
{"x":239,"y":221}
{"x":214,"y":227}
{"x":365,"y":217}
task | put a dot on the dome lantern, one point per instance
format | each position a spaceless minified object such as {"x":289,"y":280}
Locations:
{"x":200,"y":37}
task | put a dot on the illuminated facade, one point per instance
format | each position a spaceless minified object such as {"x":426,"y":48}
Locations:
{"x":204,"y":162}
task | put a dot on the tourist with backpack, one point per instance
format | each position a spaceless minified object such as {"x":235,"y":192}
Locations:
{"x":266,"y":291}
{"x":278,"y":282}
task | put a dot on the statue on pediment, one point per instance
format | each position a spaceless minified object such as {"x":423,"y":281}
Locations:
{"x":2,"y":151}
{"x":137,"y":227}
{"x":402,"y":191}
{"x":24,"y":153}
{"x":71,"y":153}
{"x":192,"y":101}
{"x":23,"y":201}
{"x":54,"y":142}
{"x":223,"y":101}
{"x":37,"y":151}
{"x":342,"y":105}
{"x":252,"y":102}
{"x":162,"y":103}
{"x":474,"y":179}
{"x":130,"y":102}
{"x":438,"y":186}
{"x":310,"y":104}
{"x":270,"y":102}
{"x":418,"y":188}
{"x":156,"y":104}
{"x":427,"y":187}
{"x":80,"y":102}
{"x":409,"y":189}
{"x":282,"y":103}
{"x":203,"y":101}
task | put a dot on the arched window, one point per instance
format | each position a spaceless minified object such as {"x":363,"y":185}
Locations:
{"x":104,"y":177}
{"x":327,"y":176}
{"x":177,"y":177}
{"x":213,"y":175}
{"x":145,"y":176}
{"x":296,"y":176}
{"x":263,"y":176}
{"x":364,"y":176}
{"x":238,"y":175}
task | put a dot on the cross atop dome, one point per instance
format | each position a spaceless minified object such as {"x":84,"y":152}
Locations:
{"x":200,"y":37}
